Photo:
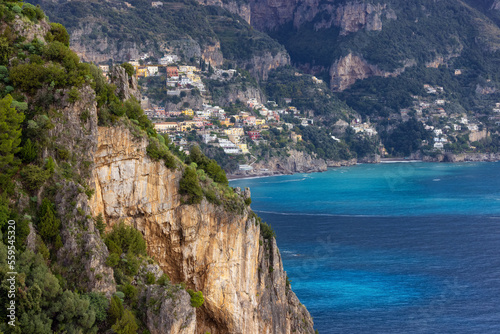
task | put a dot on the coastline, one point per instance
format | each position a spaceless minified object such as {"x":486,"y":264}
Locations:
{"x":414,"y":158}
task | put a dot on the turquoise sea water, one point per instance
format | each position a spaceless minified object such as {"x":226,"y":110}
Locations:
{"x":390,"y":248}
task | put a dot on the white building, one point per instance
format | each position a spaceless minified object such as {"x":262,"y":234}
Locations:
{"x":438,"y":145}
{"x":168,"y":59}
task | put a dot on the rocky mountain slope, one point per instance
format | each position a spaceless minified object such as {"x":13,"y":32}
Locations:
{"x":216,"y":31}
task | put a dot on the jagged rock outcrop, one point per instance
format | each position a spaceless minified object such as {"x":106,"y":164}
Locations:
{"x":212,"y":54}
{"x":126,"y":86}
{"x":269,"y":14}
{"x":168,"y":310}
{"x":235,"y":93}
{"x":345,"y":71}
{"x":261,"y":65}
{"x":235,"y":7}
{"x":355,"y":16}
{"x":350,"y":16}
{"x":212,"y":250}
{"x":29,"y":30}
{"x":294,"y":162}
{"x":75,"y":133}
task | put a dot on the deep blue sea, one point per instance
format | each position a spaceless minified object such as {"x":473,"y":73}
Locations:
{"x":390,"y":248}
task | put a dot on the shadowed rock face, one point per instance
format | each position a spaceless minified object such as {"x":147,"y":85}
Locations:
{"x":350,"y":16}
{"x":220,"y":253}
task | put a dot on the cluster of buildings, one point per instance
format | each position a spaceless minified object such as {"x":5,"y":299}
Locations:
{"x":230,"y":132}
{"x":431,"y":111}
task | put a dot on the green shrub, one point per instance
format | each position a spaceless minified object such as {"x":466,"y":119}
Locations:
{"x":163,"y":280}
{"x":127,"y":324}
{"x":16,"y":9}
{"x":189,"y":186}
{"x":115,"y":310}
{"x":34,"y":177}
{"x":48,"y":225}
{"x":113,"y":260}
{"x":196,"y":298}
{"x":150,"y":278}
{"x":129,"y":69}
{"x":248,"y":201}
{"x":130,"y":292}
{"x":28,"y":152}
{"x":127,"y":239}
{"x":99,"y":303}
{"x":41,"y":248}
{"x":266,"y":231}
{"x":58,"y":33}
{"x":50,"y":165}
{"x":29,"y":11}
{"x":63,"y":153}
{"x":99,"y":224}
{"x":73,"y":95}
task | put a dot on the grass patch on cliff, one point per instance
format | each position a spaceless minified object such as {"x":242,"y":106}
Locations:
{"x":204,"y":178}
{"x":196,"y":298}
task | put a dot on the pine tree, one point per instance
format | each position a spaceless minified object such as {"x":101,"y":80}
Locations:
{"x":115,"y":311}
{"x":28,"y":152}
{"x":48,"y":226}
{"x":126,"y":324}
{"x":10,"y":137}
{"x":190,"y":186}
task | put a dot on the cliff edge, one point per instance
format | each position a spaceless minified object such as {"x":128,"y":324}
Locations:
{"x":220,"y":253}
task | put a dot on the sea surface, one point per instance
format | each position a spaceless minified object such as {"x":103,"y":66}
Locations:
{"x":390,"y":248}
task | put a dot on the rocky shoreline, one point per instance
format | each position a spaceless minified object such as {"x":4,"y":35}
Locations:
{"x":300,"y":162}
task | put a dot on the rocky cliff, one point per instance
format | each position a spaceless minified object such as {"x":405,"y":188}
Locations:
{"x":219,"y":253}
{"x":293,"y":162}
{"x":235,"y":7}
{"x":347,"y":70}
{"x":350,"y":16}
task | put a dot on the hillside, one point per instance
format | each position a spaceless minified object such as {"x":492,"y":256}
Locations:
{"x":383,"y":61}
{"x":121,"y":31}
{"x":115,"y":232}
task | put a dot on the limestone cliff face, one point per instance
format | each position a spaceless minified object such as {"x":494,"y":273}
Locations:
{"x":236,"y":93}
{"x":210,"y":249}
{"x":345,"y":71}
{"x":235,"y":7}
{"x":261,"y":65}
{"x":355,"y":16}
{"x":294,"y":162}
{"x":126,"y":86}
{"x":350,"y":16}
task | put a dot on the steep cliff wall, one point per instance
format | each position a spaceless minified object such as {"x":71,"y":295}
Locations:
{"x":350,"y":16}
{"x":235,"y":7}
{"x":294,"y":162}
{"x":261,"y":65}
{"x":219,"y":253}
{"x":345,"y":71}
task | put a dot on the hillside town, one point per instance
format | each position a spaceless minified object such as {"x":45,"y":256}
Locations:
{"x":240,"y":132}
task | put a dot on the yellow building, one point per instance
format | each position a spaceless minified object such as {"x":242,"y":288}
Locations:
{"x":234,"y":131}
{"x":243,"y":148}
{"x":260,"y":121}
{"x":188,"y":125}
{"x":226,"y":122}
{"x":166,"y":126}
{"x":141,"y":72}
{"x":188,"y":112}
